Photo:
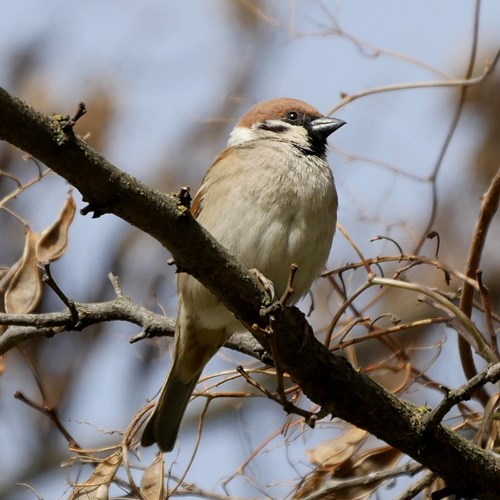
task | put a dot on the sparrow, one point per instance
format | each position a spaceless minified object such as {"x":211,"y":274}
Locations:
{"x":269,"y":198}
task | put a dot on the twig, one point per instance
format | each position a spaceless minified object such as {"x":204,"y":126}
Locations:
{"x":22,"y":187}
{"x":488,"y":209}
{"x":388,"y":331}
{"x":25,"y":327}
{"x":195,"y":450}
{"x":367,"y":49}
{"x":482,"y":348}
{"x":184,"y":196}
{"x":392,"y":240}
{"x":51,"y":413}
{"x":416,"y":487}
{"x":431,"y":420}
{"x":280,"y":398}
{"x":485,"y":298}
{"x":34,"y":371}
{"x":45,"y":408}
{"x":346,"y":235}
{"x":69,"y":303}
{"x":432,"y":235}
{"x":280,"y":388}
{"x":116,"y":284}
{"x":419,"y":259}
{"x":268,"y":331}
{"x":81,"y":110}
{"x":289,"y":286}
{"x":344,"y":332}
{"x":32,"y":490}
{"x":341,"y":311}
{"x":10,"y":176}
{"x":465,"y":82}
{"x":456,"y":118}
{"x":256,"y":384}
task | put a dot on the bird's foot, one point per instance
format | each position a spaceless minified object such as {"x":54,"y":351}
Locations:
{"x":267,"y":284}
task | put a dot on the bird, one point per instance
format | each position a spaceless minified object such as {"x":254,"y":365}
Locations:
{"x":269,"y":198}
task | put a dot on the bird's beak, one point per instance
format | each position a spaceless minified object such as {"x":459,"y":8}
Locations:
{"x":324,"y":125}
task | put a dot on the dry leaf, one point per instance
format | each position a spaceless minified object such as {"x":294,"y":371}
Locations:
{"x":345,"y":465}
{"x":152,"y":481}
{"x":3,"y":272}
{"x":54,"y":240}
{"x":6,"y":275}
{"x":97,"y":486}
{"x":24,"y":290}
{"x":375,"y":460}
{"x":334,"y":452}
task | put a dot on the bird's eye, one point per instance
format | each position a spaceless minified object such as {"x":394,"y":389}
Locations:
{"x":293,"y":116}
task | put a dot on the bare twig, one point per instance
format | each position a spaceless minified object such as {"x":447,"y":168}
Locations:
{"x":432,"y":235}
{"x":485,"y":299}
{"x":391,"y":330}
{"x":81,"y":110}
{"x":22,"y":187}
{"x":392,"y":240}
{"x":280,"y":398}
{"x":367,"y":49}
{"x":419,"y":259}
{"x":464,"y":393}
{"x":195,"y":450}
{"x":489,"y":208}
{"x":456,"y":118}
{"x":116,"y":284}
{"x":482,"y":347}
{"x":69,"y":303}
{"x":289,"y":286}
{"x":347,"y":303}
{"x":464,"y":82}
{"x":417,"y":486}
{"x":50,"y":412}
{"x":356,"y":248}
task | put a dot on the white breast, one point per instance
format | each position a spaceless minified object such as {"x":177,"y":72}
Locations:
{"x":270,"y":207}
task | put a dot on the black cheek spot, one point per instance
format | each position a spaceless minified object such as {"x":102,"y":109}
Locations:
{"x":273,"y":128}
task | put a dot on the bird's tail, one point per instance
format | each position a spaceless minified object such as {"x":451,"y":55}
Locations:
{"x":163,"y":426}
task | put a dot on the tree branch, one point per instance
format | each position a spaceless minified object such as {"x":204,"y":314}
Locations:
{"x":326,"y":379}
{"x":28,"y":326}
{"x":25,"y":327}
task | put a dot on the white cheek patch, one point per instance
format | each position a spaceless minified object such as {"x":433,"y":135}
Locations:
{"x":240,"y":135}
{"x":283,"y":132}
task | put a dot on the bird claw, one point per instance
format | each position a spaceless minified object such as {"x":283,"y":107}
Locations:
{"x":266,"y":283}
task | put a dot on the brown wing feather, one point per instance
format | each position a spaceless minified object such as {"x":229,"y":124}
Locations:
{"x":197,"y":205}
